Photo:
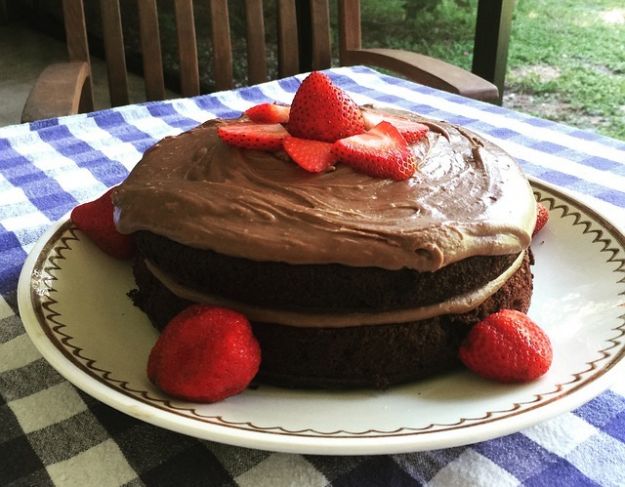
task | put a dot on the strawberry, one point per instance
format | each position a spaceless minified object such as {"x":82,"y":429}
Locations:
{"x":204,"y":354}
{"x":268,"y":113}
{"x":410,"y":130}
{"x":251,"y":135}
{"x":322,"y":111}
{"x":381,"y":152}
{"x":95,"y":219}
{"x":312,"y":155}
{"x":542,"y":216}
{"x":507,"y":346}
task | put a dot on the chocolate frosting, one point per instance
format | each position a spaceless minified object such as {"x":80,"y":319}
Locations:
{"x":468,"y":197}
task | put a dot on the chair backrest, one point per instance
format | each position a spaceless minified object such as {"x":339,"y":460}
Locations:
{"x":303,"y":43}
{"x":222,"y":59}
{"x":315,"y":32}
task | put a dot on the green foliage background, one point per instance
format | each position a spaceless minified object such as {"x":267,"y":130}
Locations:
{"x":566,"y":58}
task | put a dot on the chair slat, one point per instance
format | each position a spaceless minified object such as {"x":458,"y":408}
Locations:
{"x":304,"y":43}
{"x":288,"y":54}
{"x":187,"y":48}
{"x":222,"y":47}
{"x":320,"y":26}
{"x":77,"y":45}
{"x":151,"y":50}
{"x":75,"y":30}
{"x":256,"y":50}
{"x":114,"y":49}
{"x":349,"y":26}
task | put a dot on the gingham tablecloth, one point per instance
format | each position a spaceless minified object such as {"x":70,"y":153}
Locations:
{"x":52,"y":433}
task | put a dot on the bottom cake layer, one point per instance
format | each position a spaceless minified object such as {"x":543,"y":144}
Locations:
{"x":361,"y":356}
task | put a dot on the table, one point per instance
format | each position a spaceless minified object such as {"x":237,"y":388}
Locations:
{"x":53,"y":434}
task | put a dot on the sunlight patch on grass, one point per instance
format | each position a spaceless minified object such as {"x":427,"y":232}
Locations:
{"x":542,"y":73}
{"x":613,"y":16}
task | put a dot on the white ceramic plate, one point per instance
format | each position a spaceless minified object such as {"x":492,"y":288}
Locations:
{"x":74,"y":304}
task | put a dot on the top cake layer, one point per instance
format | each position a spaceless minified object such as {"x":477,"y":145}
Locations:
{"x":468,"y":197}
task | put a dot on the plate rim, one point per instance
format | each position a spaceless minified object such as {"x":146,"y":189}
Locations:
{"x":273,"y":438}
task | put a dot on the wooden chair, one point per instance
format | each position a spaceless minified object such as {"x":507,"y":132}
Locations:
{"x":66,"y":88}
{"x":416,"y":67}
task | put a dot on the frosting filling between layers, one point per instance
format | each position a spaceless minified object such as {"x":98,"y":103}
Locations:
{"x":467,"y":198}
{"x":456,"y":305}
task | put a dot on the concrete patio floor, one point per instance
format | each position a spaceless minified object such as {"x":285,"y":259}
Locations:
{"x":24,"y":53}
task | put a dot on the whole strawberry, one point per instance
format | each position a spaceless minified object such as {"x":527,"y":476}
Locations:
{"x":507,"y":346}
{"x":204,"y":354}
{"x":95,"y":219}
{"x":542,"y":216}
{"x":322,"y":111}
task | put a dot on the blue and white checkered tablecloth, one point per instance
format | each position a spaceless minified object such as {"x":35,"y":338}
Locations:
{"x":48,"y":167}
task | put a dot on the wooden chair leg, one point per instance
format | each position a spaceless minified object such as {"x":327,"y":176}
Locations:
{"x":492,"y":34}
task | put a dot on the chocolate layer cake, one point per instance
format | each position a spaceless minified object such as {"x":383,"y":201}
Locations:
{"x":348,"y":280}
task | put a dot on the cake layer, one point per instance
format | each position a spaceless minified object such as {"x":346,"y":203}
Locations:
{"x":361,"y":356}
{"x":467,"y":198}
{"x":457,"y":304}
{"x":321,"y":288}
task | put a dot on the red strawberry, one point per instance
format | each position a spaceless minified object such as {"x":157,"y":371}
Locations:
{"x":507,"y":346}
{"x":542,"y":216}
{"x":250,"y":135}
{"x":381,"y":152}
{"x":268,"y":113}
{"x":411,"y":131}
{"x":312,"y":155}
{"x":95,"y":219}
{"x":322,"y":111}
{"x":204,"y":354}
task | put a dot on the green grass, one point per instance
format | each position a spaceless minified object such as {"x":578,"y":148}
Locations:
{"x":566,"y":59}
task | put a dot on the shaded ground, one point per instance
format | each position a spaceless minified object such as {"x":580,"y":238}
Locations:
{"x":551,"y":105}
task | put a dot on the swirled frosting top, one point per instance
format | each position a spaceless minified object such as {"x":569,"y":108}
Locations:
{"x":468,"y":197}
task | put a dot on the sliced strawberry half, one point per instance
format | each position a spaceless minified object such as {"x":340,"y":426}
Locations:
{"x":313,"y":155}
{"x":268,"y":113}
{"x":411,"y":131}
{"x":251,"y":135}
{"x":381,"y":152}
{"x":322,"y":111}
